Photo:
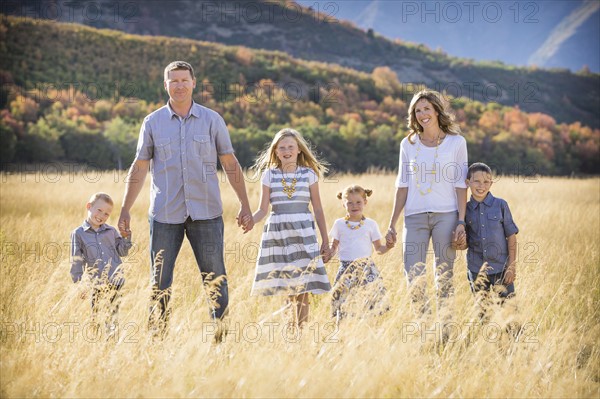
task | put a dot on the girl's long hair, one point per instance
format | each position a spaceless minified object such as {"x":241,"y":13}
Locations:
{"x":268,"y":158}
{"x":445,"y":117}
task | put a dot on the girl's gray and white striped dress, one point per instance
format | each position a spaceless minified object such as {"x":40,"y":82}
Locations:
{"x":289,"y":261}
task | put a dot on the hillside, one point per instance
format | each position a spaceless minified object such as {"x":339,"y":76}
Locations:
{"x":317,"y":35}
{"x":79,"y":94}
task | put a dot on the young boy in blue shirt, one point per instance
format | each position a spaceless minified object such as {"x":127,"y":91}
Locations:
{"x":491,"y":236}
{"x":96,"y":248}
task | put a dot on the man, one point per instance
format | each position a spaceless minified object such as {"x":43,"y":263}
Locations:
{"x":180,"y":143}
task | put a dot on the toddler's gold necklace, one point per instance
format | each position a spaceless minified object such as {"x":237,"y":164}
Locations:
{"x":356,"y":226}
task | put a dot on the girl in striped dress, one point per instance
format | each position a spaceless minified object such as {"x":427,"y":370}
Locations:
{"x":289,"y":261}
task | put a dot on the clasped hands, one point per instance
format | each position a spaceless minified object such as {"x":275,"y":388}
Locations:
{"x":245,"y":221}
{"x":459,"y":238}
{"x":391,"y":237}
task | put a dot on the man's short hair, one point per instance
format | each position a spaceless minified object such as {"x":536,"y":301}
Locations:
{"x":179,"y":66}
{"x":478,"y":167}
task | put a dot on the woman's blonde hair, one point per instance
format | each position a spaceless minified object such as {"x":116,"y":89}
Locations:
{"x":268,"y":158}
{"x":355,"y":189}
{"x":446,"y":120}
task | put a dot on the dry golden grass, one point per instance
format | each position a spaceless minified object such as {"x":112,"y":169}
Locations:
{"x":48,"y":350}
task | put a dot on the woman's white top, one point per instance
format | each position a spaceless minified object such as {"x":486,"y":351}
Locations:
{"x":424,"y":172}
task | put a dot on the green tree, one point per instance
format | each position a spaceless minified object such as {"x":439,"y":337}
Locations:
{"x":122,"y":139}
{"x":40,"y":143}
{"x":8,"y":144}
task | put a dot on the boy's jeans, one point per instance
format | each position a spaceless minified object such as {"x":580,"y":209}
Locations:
{"x":488,"y":287}
{"x":206,"y":239}
{"x":487,"y":282}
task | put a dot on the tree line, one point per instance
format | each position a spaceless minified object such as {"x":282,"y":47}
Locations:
{"x":353,"y":133}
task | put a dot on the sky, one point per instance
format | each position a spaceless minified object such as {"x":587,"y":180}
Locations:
{"x":549,"y":33}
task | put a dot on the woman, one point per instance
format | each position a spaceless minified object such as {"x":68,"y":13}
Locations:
{"x":432,"y":191}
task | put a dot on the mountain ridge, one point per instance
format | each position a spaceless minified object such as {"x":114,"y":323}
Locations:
{"x":316,"y":35}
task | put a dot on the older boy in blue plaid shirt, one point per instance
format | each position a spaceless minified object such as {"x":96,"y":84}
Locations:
{"x":491,"y":236}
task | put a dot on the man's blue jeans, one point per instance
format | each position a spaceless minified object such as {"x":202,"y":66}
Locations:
{"x":206,"y":239}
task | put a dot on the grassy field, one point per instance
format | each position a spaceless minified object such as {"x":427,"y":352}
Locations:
{"x":48,"y":348}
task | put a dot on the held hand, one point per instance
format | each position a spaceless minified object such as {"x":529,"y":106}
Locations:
{"x":123,"y":224}
{"x":510,"y":274}
{"x":459,"y":237}
{"x":460,"y":230}
{"x":325,"y":252}
{"x":459,"y":240}
{"x":391,"y":236}
{"x":244,"y":220}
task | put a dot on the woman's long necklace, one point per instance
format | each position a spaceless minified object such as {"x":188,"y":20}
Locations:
{"x":291,"y":189}
{"x":415,"y":167}
{"x":354,"y":226}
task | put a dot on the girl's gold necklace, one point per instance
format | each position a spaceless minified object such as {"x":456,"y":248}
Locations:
{"x":291,"y":189}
